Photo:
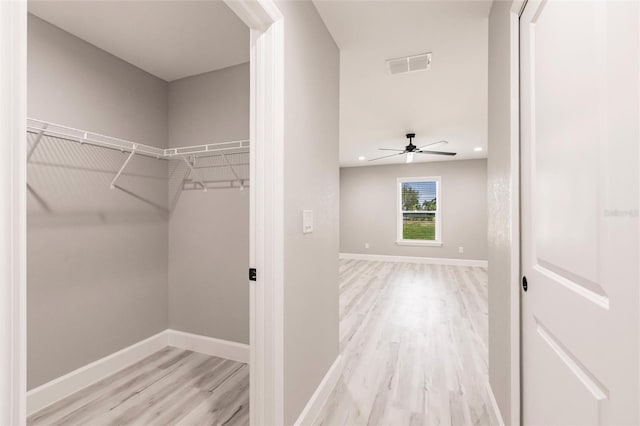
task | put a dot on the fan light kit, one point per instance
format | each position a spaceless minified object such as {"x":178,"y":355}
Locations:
{"x":362,"y":158}
{"x":411,"y":149}
{"x":477,"y":149}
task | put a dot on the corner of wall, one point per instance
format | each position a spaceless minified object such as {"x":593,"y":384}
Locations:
{"x":500,"y":193}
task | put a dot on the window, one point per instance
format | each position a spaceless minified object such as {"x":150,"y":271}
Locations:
{"x":419,"y":207}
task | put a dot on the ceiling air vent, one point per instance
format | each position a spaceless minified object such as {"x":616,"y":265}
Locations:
{"x":409,"y":64}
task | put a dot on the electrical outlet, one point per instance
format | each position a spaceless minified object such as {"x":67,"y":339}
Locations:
{"x":460,"y":249}
{"x":366,"y":245}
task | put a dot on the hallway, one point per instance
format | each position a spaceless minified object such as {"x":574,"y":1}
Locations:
{"x":414,"y":342}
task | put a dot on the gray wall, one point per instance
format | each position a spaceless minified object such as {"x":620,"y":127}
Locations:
{"x":210,"y":107}
{"x":500,"y":195}
{"x":93,"y":317}
{"x":209,"y":231}
{"x":70,"y":79}
{"x":96,"y":263}
{"x":311,"y":176}
{"x":368,"y":209}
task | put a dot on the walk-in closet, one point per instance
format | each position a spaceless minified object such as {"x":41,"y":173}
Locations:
{"x":138,"y":177}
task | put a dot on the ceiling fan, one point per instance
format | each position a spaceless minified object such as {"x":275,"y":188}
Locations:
{"x":412,"y":149}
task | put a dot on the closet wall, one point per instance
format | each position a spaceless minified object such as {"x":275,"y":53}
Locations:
{"x":97,"y":275}
{"x":209,"y":231}
{"x":108,"y":268}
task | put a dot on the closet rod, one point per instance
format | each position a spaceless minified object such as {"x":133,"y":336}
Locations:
{"x":82,"y":141}
{"x":187,"y":154}
{"x":44,"y":128}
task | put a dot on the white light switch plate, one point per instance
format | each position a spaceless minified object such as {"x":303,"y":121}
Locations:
{"x":307,"y":221}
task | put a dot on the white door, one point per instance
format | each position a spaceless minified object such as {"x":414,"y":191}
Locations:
{"x":579,"y":212}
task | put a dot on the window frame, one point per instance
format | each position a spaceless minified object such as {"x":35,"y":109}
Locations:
{"x":399,"y":217}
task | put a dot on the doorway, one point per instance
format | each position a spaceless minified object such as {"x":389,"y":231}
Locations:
{"x":266,"y":40}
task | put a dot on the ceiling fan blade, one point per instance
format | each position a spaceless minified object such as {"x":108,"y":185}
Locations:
{"x":390,"y":149}
{"x":436,"y":152}
{"x":387,"y":156}
{"x":432,"y":143}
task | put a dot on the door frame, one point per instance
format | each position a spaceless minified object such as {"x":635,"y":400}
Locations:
{"x":266,"y":364}
{"x":13,"y":201}
{"x":267,"y":215}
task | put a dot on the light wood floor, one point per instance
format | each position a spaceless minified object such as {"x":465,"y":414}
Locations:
{"x":414,"y":342}
{"x":172,"y":386}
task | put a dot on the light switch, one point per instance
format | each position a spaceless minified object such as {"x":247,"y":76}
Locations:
{"x":307,"y":221}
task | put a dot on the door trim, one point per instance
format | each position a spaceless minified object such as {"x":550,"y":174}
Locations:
{"x":13,"y":167}
{"x":266,"y":364}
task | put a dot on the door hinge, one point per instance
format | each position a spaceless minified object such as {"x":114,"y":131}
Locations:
{"x":252,"y":274}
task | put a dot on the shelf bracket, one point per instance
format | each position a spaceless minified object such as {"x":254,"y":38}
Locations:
{"x":195,"y":174}
{"x":39,"y":199}
{"x":133,"y":152}
{"x":226,"y":160}
{"x":37,"y":141}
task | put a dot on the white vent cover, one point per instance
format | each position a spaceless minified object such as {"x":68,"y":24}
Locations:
{"x":409,"y":64}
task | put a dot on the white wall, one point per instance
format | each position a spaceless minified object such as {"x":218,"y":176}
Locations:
{"x":209,"y":231}
{"x":311,"y":177}
{"x":96,"y":263}
{"x":500,"y":195}
{"x":368,"y":209}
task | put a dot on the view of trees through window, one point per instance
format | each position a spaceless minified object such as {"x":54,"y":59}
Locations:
{"x":419,"y":210}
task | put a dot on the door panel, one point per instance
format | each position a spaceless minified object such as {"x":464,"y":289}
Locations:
{"x":575,"y":404}
{"x":579,"y":212}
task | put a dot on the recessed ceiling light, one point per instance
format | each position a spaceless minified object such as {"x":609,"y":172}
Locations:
{"x":361,"y":158}
{"x":477,"y":149}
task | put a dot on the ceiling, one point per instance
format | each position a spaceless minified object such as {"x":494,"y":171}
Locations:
{"x":449,"y":101}
{"x":169,"y":39}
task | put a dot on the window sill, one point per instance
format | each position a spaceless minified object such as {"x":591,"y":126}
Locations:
{"x":419,"y":243}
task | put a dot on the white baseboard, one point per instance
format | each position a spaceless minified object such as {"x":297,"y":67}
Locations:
{"x":55,"y":390}
{"x":63,"y":386}
{"x":415,"y":259}
{"x":209,"y":345}
{"x":321,"y":394}
{"x":494,"y":406}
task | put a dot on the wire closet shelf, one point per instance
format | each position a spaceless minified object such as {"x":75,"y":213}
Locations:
{"x":188,"y":154}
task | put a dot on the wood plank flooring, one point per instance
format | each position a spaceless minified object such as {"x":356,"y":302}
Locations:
{"x":172,"y":386}
{"x":414,"y":342}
